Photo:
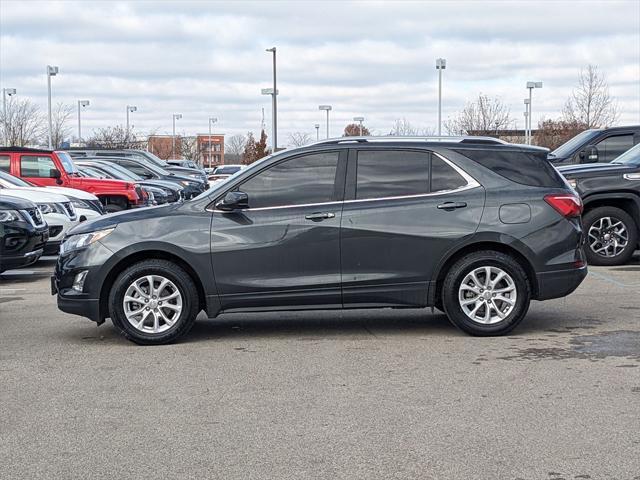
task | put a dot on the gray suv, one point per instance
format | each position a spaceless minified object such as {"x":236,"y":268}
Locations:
{"x":472,"y":226}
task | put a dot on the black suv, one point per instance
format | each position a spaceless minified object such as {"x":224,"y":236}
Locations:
{"x":23,"y":233}
{"x":596,"y":145}
{"x":611,"y":196}
{"x":473,"y":226}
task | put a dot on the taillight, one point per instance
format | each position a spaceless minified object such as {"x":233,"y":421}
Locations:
{"x":565,"y":204}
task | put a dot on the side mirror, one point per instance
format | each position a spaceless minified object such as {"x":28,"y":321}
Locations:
{"x":233,"y":201}
{"x":592,"y":154}
{"x":55,"y":173}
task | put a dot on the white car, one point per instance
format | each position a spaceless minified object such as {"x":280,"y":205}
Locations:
{"x":87,"y":205}
{"x":57,"y":210}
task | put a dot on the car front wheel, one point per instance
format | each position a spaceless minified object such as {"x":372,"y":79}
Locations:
{"x":153,"y":302}
{"x":612,"y":236}
{"x":486,"y":293}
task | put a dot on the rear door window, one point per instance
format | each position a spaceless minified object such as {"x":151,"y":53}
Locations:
{"x":612,"y":147}
{"x":5,"y":163}
{"x":391,"y":173}
{"x":36,"y":166}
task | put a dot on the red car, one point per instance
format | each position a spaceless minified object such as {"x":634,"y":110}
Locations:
{"x":51,"y":168}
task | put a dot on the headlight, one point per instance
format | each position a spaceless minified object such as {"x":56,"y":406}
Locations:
{"x":46,"y":208}
{"x":9,"y":216}
{"x":76,"y":242}
{"x":77,"y":203}
{"x":573,"y":182}
{"x":185,"y":183}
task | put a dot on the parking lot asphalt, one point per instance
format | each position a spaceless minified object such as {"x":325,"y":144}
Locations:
{"x":356,"y":395}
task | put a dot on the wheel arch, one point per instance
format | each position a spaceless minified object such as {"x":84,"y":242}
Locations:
{"x":627,"y":201}
{"x":123,"y":262}
{"x":519,"y":253}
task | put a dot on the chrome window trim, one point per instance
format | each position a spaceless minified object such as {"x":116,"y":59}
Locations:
{"x":471,"y":184}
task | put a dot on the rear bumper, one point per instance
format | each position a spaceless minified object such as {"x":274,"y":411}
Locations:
{"x":559,"y":283}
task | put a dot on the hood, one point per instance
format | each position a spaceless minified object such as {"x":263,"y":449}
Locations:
{"x":594,"y":169}
{"x":72,"y":192}
{"x":13,"y":203}
{"x":113,"y":219}
{"x":35,"y":194}
{"x":183,"y":170}
{"x":167,"y":184}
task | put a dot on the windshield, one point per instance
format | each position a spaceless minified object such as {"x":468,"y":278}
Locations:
{"x":67,"y":163}
{"x":151,"y":158}
{"x":121,"y":172}
{"x":18,"y":182}
{"x":228,"y":170}
{"x":630,"y":157}
{"x":569,"y":147}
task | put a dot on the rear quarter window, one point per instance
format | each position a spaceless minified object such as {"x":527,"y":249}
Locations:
{"x":525,"y":168}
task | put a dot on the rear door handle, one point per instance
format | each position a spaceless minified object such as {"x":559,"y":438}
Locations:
{"x":452,"y":205}
{"x":319,"y":215}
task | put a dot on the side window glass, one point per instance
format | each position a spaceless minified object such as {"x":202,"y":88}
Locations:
{"x":389,"y":173}
{"x":36,"y":166}
{"x":444,"y":177}
{"x":612,"y":147}
{"x":5,"y":163}
{"x":298,"y":181}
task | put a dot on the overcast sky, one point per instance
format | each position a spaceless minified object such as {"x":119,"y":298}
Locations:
{"x":375,"y":59}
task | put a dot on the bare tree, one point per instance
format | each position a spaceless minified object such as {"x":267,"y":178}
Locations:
{"x":234,"y":147}
{"x":23,"y":124}
{"x":590,"y":103}
{"x":189,"y":148}
{"x":553,"y":133}
{"x":482,"y":116}
{"x":60,"y":128}
{"x":299,"y":139}
{"x":353,"y":130}
{"x":113,"y":137}
{"x":403,"y":128}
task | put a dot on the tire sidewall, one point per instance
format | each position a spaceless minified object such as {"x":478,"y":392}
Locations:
{"x":466,"y":265}
{"x":172,"y":272}
{"x":592,"y":217}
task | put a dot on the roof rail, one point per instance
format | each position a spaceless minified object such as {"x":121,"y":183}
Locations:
{"x":394,"y":138}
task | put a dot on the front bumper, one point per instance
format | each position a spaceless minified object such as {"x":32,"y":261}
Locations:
{"x":559,"y":283}
{"x":19,"y":261}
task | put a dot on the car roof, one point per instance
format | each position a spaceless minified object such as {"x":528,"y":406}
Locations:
{"x":25,"y":149}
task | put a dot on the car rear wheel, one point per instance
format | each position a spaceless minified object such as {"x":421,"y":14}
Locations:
{"x":486,"y":293}
{"x":612,"y":236}
{"x":153,"y":302}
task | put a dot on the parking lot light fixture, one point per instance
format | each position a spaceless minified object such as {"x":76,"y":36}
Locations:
{"x":526,"y":120}
{"x":212,"y":120}
{"x":81,"y":104}
{"x":52,"y":71}
{"x":359,"y":120}
{"x":317,"y":126}
{"x":327,"y":108}
{"x":130,"y":109}
{"x":274,"y":102}
{"x":176,"y":116}
{"x":531,"y":86}
{"x":441,"y":64}
{"x":6,"y":92}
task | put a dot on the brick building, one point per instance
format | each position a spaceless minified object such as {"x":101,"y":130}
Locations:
{"x":210,"y":150}
{"x":163,"y":146}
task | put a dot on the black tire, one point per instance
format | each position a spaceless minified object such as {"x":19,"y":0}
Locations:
{"x":591,"y":220}
{"x":468,"y":264}
{"x":114,"y":206}
{"x":169,"y":270}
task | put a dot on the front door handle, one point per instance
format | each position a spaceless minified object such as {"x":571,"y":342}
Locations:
{"x":319,"y":215}
{"x":452,"y":205}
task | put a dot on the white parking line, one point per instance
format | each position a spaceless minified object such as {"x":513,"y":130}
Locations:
{"x":606,"y":278}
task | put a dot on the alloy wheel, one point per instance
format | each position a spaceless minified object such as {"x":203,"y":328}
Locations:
{"x":608,"y":236}
{"x":152,"y":304}
{"x":487,"y":295}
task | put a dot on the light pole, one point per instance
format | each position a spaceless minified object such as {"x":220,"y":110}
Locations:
{"x":531,"y":86}
{"x":441,"y":64}
{"x":6,"y":92}
{"x":317,"y":125}
{"x":212,"y":120}
{"x":527,"y":102}
{"x":274,"y":108}
{"x":130,"y":109}
{"x":328,"y":109}
{"x":81,"y":103}
{"x":359,"y":120}
{"x":52,"y":71}
{"x":176,"y":116}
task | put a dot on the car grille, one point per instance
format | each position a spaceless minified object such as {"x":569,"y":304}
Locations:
{"x":68,"y":208}
{"x":55,"y":231}
{"x":35,"y":216}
